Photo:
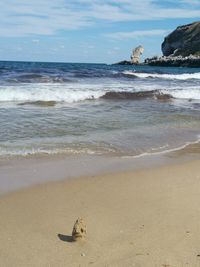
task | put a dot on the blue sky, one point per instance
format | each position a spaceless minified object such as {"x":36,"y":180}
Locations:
{"x":88,"y":30}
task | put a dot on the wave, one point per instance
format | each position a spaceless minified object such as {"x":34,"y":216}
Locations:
{"x":183,"y":76}
{"x":51,"y":94}
{"x":41,"y":93}
{"x":162,"y":94}
{"x":37,"y":78}
{"x":166,"y":150}
{"x":191,"y":94}
{"x":31,"y":150}
{"x":46,"y":96}
{"x":76,"y":76}
{"x":57,"y":76}
{"x":155,"y":94}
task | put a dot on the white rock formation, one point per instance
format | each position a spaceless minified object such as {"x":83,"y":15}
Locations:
{"x":137,"y":52}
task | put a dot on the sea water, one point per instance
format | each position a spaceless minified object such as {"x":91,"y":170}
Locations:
{"x":96,"y":109}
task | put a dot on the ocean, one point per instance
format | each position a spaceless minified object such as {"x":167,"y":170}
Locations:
{"x":96,"y":109}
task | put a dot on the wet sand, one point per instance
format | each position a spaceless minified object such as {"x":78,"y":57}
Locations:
{"x":148,"y":217}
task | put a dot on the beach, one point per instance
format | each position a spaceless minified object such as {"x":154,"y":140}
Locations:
{"x":115,"y":145}
{"x":146,"y":217}
{"x":100,"y":133}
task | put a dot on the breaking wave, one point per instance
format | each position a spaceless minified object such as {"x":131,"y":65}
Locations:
{"x":155,"y":94}
{"x":163,"y":95}
{"x":50,"y":95}
{"x":41,"y":93}
{"x":193,"y":94}
{"x":57,"y":77}
{"x":183,"y":76}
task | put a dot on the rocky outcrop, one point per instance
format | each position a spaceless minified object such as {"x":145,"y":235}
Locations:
{"x":124,"y":62}
{"x":79,"y":230}
{"x":181,"y":48}
{"x":184,"y":41}
{"x":174,"y":61}
{"x":137,"y":52}
{"x":135,"y":57}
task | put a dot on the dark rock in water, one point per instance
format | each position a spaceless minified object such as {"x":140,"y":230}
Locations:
{"x":124,"y":62}
{"x":184,"y":41}
{"x":154,"y":94}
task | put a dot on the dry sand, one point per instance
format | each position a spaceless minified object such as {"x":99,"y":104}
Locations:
{"x":141,"y":218}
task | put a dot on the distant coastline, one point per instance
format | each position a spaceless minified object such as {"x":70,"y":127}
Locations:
{"x":170,"y":61}
{"x":181,"y":48}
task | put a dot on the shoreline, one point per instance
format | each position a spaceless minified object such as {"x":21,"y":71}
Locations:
{"x":139,"y":211}
{"x":19,"y":173}
{"x":147,"y":217}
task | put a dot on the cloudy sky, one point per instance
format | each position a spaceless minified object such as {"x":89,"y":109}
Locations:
{"x":88,"y":30}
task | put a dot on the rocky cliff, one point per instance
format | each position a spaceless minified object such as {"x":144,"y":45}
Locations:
{"x":183,"y":41}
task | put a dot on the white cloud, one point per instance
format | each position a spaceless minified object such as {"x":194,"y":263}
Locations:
{"x":47,"y":17}
{"x":137,"y":34}
{"x":35,"y":41}
{"x":191,"y":2}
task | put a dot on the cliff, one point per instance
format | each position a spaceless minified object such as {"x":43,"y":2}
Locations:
{"x":181,"y":48}
{"x":183,"y":41}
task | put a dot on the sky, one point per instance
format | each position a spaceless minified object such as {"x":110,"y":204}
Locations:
{"x":96,"y":31}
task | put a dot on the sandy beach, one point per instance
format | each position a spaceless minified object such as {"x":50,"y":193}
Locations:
{"x":139,"y":218}
{"x":100,"y":133}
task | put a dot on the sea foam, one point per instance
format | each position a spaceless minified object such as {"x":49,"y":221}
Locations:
{"x":47,"y":92}
{"x":184,"y":93}
{"x":183,"y":76}
{"x":52,"y":93}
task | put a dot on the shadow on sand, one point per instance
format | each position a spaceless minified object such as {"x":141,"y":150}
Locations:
{"x":65,"y":238}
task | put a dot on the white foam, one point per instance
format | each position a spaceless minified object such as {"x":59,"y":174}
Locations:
{"x":166,"y":151}
{"x":80,"y":92}
{"x":189,"y":93}
{"x":183,"y":76}
{"x":24,"y":152}
{"x":47,"y":92}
